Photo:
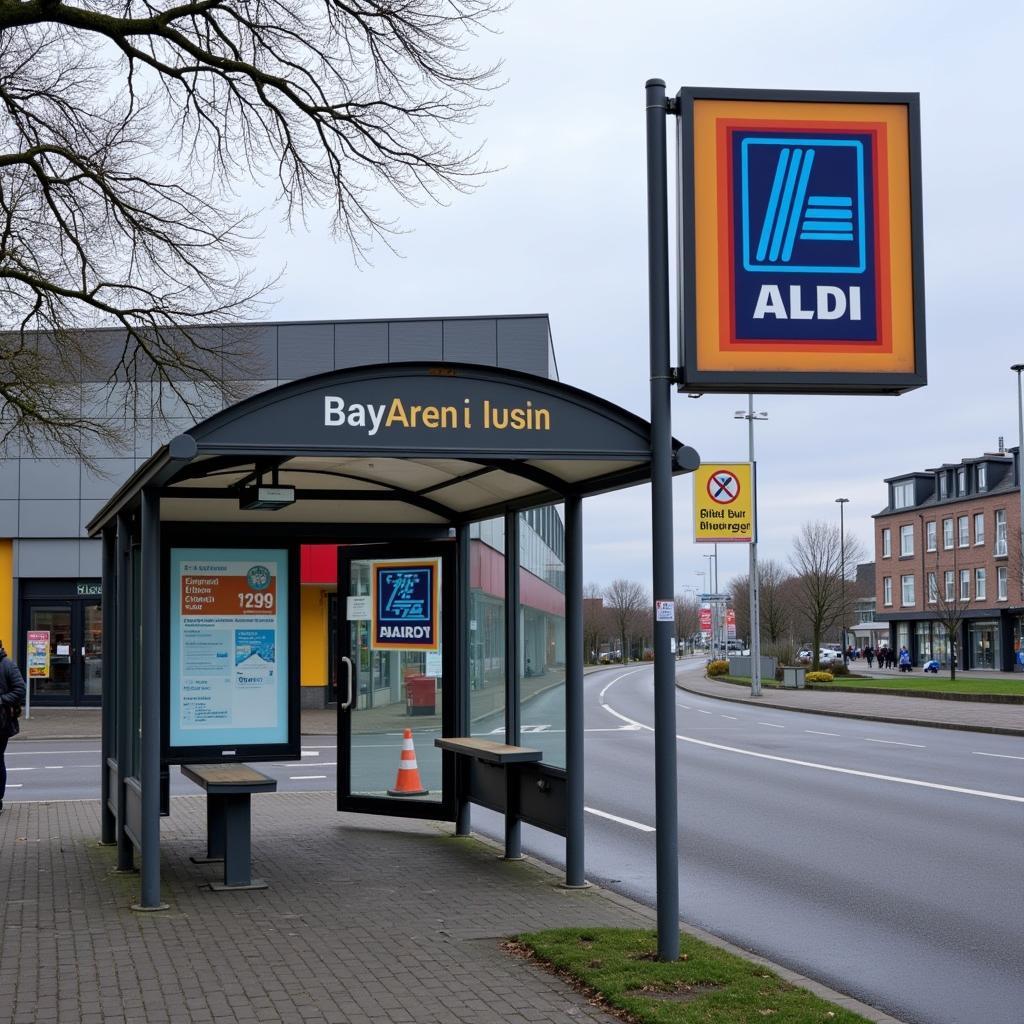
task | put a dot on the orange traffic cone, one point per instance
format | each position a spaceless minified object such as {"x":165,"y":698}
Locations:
{"x":408,"y":781}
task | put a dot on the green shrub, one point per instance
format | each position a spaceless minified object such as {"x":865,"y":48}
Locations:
{"x":718,"y":668}
{"x":818,"y":677}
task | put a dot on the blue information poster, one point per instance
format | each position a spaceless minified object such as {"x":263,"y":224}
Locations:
{"x":404,"y":605}
{"x":229,"y":647}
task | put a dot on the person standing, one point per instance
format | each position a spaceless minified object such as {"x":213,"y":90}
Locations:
{"x":12,"y":697}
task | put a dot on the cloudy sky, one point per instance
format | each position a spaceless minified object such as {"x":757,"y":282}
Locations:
{"x":561,"y":229}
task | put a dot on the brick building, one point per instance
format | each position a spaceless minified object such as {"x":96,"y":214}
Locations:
{"x":947,"y":546}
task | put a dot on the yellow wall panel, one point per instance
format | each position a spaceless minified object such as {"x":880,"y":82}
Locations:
{"x":7,"y":594}
{"x":313,"y":636}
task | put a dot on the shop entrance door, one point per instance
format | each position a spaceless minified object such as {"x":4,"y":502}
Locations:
{"x":396,"y":672}
{"x":75,"y":629}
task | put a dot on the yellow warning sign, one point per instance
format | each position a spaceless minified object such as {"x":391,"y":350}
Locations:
{"x":723,"y":503}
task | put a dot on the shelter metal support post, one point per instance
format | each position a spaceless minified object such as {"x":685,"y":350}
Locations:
{"x":108,"y":744}
{"x":122,"y":685}
{"x":149,"y":770}
{"x":665,"y":782}
{"x":574,"y":826}
{"x":464,"y":724}
{"x":513,"y":826}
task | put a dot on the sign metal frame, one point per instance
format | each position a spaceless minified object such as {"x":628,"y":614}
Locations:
{"x":729,"y":375}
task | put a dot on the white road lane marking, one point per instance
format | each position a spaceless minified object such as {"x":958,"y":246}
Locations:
{"x":772,"y":725}
{"x":298,"y":778}
{"x":703,"y":712}
{"x":984,"y":753}
{"x":685,"y":707}
{"x":732,"y":718}
{"x":34,"y":768}
{"x":1011,"y":798}
{"x":640,"y":826}
{"x":43,"y":753}
{"x":15,"y":785}
{"x":894,"y":743}
{"x":816,"y":732}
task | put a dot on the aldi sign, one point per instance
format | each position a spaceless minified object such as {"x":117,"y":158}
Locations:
{"x":404,"y":605}
{"x":801,"y":234}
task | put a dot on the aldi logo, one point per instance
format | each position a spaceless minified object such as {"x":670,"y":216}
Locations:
{"x":404,"y":603}
{"x":801,"y":262}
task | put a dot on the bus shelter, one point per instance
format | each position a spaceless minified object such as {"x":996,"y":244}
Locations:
{"x":398,"y":464}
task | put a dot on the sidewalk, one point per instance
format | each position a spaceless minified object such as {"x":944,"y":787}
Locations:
{"x":974,"y":716}
{"x":367,"y":919}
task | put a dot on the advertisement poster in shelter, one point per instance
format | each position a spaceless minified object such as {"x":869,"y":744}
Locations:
{"x":405,"y":605}
{"x":229,"y":647}
{"x":37,"y":653}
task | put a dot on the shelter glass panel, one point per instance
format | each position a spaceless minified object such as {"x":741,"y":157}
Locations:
{"x":487,"y":628}
{"x":542,"y":631}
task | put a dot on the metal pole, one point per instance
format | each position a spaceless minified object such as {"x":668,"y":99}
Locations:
{"x":149,"y":690}
{"x":108,"y":720}
{"x":574,"y":832}
{"x":720,"y":614}
{"x":665,"y":781}
{"x":122,"y":688}
{"x":755,"y":587}
{"x":513,"y":827}
{"x":462,"y":813}
{"x":842,"y":561}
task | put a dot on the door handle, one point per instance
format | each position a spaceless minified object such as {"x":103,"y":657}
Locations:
{"x":347,"y":705}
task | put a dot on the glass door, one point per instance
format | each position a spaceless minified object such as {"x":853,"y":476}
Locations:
{"x":53,"y":684}
{"x":395,"y":679}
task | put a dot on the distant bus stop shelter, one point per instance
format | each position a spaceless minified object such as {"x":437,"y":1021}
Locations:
{"x":394,"y":463}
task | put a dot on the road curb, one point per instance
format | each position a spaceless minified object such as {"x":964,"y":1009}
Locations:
{"x":892,"y":720}
{"x":872,"y":1013}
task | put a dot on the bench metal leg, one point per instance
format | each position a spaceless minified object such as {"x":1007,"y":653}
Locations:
{"x":214,"y":830}
{"x":513,"y":826}
{"x":237,"y":820}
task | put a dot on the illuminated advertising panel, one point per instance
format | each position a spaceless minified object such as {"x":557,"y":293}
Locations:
{"x":228,"y":648}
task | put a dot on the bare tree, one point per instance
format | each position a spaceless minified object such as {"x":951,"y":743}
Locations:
{"x":950,"y":605}
{"x":817,"y":562}
{"x":131,"y":130}
{"x":594,"y":620}
{"x":776,"y":612}
{"x":627,"y":603}
{"x":687,"y":619}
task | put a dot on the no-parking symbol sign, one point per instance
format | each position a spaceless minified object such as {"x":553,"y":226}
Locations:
{"x":723,"y":502}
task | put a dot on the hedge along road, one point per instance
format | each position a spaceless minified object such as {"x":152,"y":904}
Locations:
{"x":880,"y":859}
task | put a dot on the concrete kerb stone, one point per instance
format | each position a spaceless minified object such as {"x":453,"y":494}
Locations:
{"x":761,"y":702}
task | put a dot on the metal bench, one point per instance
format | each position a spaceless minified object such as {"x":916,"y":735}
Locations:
{"x":229,"y":789}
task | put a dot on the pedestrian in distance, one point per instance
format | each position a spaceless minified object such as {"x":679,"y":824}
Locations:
{"x":904,"y":660}
{"x":869,"y":655}
{"x":12,"y":697}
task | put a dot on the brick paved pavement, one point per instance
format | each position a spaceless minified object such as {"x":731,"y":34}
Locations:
{"x":368,"y":920}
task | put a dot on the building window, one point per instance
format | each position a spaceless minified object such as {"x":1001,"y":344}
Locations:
{"x":903,"y":494}
{"x":963,"y":529}
{"x":1001,"y":583}
{"x":950,"y":586}
{"x":979,"y":584}
{"x":906,"y":540}
{"x":886,"y":542}
{"x":981,"y":476}
{"x":929,"y":533}
{"x":943,"y":486}
{"x":965,"y":584}
{"x":907,"y":590}
{"x":887,"y":591}
{"x":1000,"y":532}
{"x":947,"y":533}
{"x":961,"y":481}
{"x":979,"y":527}
{"x":933,"y":589}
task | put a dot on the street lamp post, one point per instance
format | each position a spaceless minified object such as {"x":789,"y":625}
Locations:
{"x":842,"y":569}
{"x":713,"y":591}
{"x":1017,"y":367}
{"x":755,"y":590}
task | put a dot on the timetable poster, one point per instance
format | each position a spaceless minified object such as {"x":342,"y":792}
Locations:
{"x":229,"y":647}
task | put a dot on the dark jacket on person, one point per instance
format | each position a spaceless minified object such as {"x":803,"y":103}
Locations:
{"x":12,"y":694}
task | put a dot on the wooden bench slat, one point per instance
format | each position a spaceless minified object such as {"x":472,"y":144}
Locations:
{"x":488,"y":750}
{"x":214,"y":775}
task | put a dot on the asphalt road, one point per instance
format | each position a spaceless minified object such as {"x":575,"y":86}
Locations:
{"x":884,"y":860}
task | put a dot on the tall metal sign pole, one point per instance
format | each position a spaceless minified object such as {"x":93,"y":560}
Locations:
{"x":665,"y":796}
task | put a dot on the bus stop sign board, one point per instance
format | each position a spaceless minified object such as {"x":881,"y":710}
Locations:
{"x":801,"y":234}
{"x":723,"y":503}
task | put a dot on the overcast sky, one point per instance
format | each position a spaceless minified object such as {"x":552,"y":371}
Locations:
{"x":561,"y":229}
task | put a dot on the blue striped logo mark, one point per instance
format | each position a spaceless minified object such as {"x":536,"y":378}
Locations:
{"x":796,"y":220}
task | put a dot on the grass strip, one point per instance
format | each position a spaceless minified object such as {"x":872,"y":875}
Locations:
{"x":905,"y":681}
{"x":618,"y":968}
